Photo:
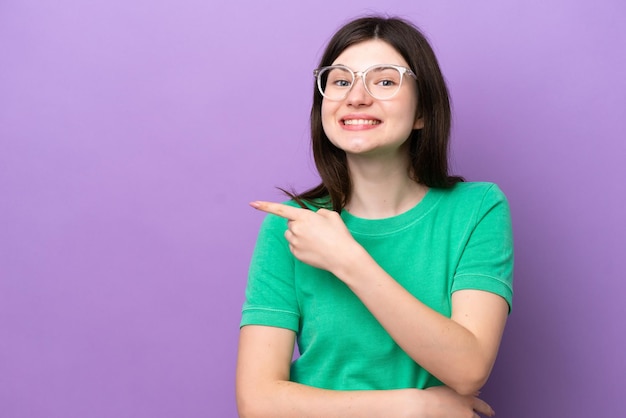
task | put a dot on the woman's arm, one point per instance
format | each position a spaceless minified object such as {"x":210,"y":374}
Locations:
{"x":459,"y":351}
{"x":264,"y":390}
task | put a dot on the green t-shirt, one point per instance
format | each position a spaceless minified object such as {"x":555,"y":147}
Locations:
{"x":453,"y":239}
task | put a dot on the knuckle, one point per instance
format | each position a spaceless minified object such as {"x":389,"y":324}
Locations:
{"x":324,"y":212}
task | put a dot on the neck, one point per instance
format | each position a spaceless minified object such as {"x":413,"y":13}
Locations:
{"x":381,"y":189}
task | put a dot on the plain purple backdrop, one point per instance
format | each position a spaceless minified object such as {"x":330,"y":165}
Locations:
{"x":133,"y":134}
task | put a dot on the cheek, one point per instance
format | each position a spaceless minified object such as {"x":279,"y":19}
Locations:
{"x":328,"y":118}
{"x":413,"y":118}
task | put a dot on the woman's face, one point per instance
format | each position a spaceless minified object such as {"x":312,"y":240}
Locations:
{"x":361,"y":124}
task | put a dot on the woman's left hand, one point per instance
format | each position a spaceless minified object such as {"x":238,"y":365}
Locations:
{"x":319,"y":239}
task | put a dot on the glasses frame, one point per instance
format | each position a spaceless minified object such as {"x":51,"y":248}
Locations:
{"x":361,"y":74}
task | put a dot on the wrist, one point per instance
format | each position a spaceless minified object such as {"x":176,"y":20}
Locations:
{"x":352,"y":265}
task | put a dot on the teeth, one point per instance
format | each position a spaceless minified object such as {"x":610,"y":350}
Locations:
{"x":361,"y":122}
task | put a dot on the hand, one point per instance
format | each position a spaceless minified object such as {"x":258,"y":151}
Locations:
{"x":319,"y":239}
{"x":441,"y":401}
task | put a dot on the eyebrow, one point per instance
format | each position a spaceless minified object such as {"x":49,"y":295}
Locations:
{"x":371,"y":66}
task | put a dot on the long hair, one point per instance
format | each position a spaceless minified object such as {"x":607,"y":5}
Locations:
{"x":428,"y":146}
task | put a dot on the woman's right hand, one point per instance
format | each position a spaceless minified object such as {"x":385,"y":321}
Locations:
{"x":443,"y":402}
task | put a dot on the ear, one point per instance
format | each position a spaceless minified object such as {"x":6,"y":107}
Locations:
{"x":419,"y":123}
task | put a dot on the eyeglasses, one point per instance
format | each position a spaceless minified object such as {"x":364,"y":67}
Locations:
{"x":382,"y":82}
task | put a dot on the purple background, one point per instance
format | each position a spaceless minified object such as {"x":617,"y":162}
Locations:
{"x":134,"y":133}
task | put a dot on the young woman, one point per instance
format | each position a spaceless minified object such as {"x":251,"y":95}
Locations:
{"x":393,"y":276}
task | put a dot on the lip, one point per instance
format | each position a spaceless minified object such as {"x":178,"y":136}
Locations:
{"x":359,"y":121}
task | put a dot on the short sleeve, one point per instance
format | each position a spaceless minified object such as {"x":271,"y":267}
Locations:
{"x":486,"y":262}
{"x":270,"y":292}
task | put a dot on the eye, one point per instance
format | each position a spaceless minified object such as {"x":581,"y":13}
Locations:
{"x":339,"y":79}
{"x":386,"y":83}
{"x":384,"y":77}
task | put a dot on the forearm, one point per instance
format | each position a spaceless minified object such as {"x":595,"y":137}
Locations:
{"x":443,"y":346}
{"x":264,"y":389}
{"x":288,"y":399}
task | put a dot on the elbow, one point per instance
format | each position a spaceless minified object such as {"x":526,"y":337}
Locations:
{"x":468,"y":388}
{"x":472,"y":381}
{"x":252,"y":405}
{"x":247,"y":408}
{"x":243,"y":407}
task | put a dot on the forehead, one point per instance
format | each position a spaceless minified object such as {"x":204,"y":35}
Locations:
{"x":367,"y":53}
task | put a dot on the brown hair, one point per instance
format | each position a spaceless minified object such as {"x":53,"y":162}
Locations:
{"x":428,"y":147}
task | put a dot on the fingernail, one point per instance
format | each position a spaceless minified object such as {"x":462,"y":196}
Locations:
{"x":255,"y":204}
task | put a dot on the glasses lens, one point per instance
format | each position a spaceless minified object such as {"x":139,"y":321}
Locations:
{"x":335,"y":82}
{"x":383,"y":82}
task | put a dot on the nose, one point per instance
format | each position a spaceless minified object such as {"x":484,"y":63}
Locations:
{"x":358,"y":95}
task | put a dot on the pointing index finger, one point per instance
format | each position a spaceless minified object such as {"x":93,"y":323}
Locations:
{"x":284,"y":211}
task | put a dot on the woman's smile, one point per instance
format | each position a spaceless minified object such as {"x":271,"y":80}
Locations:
{"x":359,"y":122}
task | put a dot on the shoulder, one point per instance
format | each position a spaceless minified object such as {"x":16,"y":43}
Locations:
{"x":472,"y":199}
{"x":474,"y":188}
{"x":473,"y":193}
